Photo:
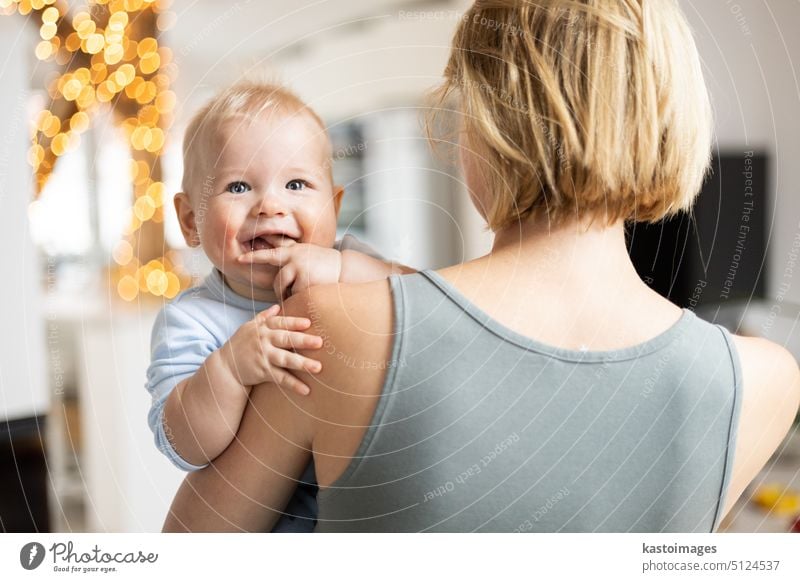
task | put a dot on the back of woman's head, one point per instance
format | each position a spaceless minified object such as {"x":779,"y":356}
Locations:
{"x":581,"y":107}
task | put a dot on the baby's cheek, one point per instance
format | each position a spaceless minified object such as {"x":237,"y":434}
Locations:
{"x":226,"y":231}
{"x":220,"y":239}
{"x":231,"y":235}
{"x":324,"y":226}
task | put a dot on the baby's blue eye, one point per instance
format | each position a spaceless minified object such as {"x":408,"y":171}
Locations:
{"x":238,"y":187}
{"x":296,"y":185}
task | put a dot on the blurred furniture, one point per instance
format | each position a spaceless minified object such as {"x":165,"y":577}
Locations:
{"x":23,"y":489}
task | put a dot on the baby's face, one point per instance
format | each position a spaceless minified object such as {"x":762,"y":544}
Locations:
{"x":268,"y":184}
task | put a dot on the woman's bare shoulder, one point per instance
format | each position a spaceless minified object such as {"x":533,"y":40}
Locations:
{"x":355,"y":322}
{"x":344,"y":307}
{"x":770,"y":399}
{"x":771,"y":384}
{"x":768,"y":366}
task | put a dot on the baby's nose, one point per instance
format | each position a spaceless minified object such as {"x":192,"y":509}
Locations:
{"x":270,"y":205}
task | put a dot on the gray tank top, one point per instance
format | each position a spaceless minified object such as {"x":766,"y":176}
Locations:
{"x":479,"y":428}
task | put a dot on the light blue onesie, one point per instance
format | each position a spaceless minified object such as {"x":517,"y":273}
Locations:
{"x":189,"y":329}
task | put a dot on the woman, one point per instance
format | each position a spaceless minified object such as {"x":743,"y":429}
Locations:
{"x":544,"y":386}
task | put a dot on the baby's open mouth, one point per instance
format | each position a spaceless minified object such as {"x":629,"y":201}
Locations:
{"x":257,"y":244}
{"x":270,"y":241}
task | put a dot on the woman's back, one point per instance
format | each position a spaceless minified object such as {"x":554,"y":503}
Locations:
{"x":482,"y":428}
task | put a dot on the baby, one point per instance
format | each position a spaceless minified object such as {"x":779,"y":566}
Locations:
{"x":258,"y":197}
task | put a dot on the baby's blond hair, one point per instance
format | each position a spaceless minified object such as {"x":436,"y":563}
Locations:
{"x":249,"y":99}
{"x":581,"y":107}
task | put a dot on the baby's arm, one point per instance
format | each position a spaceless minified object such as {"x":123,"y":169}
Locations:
{"x":303,"y":265}
{"x":202,"y":414}
{"x":358,"y":267}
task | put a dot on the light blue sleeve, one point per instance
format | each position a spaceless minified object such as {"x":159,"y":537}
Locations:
{"x":350,"y":243}
{"x":179,"y":346}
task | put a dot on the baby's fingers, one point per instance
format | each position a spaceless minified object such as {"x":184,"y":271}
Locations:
{"x":291,"y":361}
{"x":289,"y":323}
{"x":283,"y":281}
{"x":295,"y":340}
{"x":268,"y":313}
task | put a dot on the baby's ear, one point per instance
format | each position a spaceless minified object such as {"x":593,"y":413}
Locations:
{"x":338,"y":193}
{"x":186,"y":218}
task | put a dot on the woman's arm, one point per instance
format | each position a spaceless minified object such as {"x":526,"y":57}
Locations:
{"x":770,"y":400}
{"x":249,"y":484}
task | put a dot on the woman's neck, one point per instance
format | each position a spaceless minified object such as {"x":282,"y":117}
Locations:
{"x":571,"y":286}
{"x":579,"y":252}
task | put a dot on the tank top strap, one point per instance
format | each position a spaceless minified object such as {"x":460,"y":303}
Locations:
{"x":733,"y":430}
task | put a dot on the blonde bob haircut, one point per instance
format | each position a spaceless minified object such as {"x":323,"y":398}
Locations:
{"x":575,"y":108}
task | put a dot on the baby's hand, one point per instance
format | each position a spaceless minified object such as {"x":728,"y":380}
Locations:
{"x":300,"y":266}
{"x":261,"y":351}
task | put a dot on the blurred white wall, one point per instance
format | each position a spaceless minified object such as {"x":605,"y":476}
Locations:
{"x":129,"y":483}
{"x":344,"y":56}
{"x":23,"y":391}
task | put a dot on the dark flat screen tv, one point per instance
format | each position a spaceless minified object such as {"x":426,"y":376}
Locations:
{"x":716,"y":253}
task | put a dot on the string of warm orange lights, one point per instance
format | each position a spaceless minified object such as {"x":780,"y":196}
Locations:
{"x":109,"y":58}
